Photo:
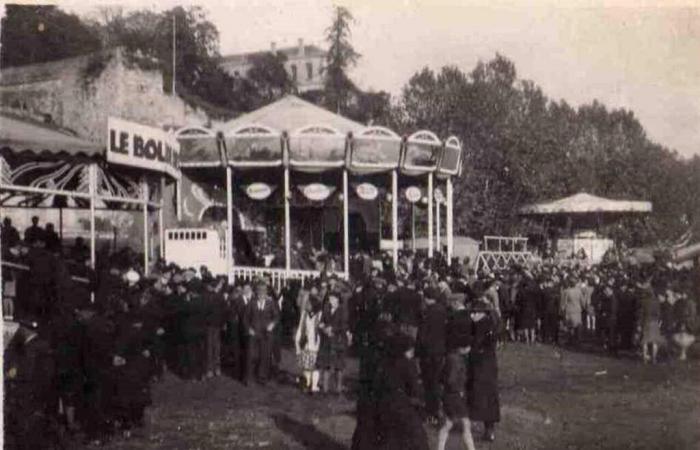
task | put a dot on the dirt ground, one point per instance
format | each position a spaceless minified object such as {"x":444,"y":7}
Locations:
{"x":550,"y":399}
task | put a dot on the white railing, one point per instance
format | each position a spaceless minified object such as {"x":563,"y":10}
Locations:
{"x":502,"y":259}
{"x":278,"y":277}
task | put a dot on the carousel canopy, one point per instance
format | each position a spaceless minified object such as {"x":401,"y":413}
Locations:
{"x":582,"y":203}
{"x":308,"y":138}
{"x":22,"y":135}
{"x":292,"y":113}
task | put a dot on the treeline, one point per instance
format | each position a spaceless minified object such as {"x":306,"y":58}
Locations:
{"x":523,"y":147}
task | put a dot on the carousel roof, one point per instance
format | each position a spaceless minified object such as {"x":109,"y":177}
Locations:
{"x":308,"y":138}
{"x":22,"y":135}
{"x":291,"y":113}
{"x":586,"y":203}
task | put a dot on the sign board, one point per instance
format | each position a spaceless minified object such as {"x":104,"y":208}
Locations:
{"x":316,"y":191}
{"x":366,"y":191}
{"x":137,"y":145}
{"x":439,"y":197}
{"x":258,"y":191}
{"x":413,"y":194}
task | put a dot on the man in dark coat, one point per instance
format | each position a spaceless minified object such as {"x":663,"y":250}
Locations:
{"x":431,"y":350}
{"x":51,"y":239}
{"x":387,"y":417}
{"x":34,"y":232}
{"x":239,"y":333}
{"x":42,"y":286}
{"x":482,"y":384}
{"x":263,"y":315}
{"x":10,"y":236}
{"x":30,"y":402}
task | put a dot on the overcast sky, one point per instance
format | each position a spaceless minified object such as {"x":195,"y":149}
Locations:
{"x":645,"y":57}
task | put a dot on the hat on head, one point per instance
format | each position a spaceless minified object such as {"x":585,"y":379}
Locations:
{"x":132,"y":276}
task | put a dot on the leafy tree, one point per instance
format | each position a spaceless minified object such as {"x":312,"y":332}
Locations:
{"x":341,"y":56}
{"x":34,"y":34}
{"x":269,"y":78}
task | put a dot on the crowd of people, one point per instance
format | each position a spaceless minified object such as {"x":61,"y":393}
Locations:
{"x":86,"y":350}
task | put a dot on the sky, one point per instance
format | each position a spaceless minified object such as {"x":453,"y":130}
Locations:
{"x":642,"y":56}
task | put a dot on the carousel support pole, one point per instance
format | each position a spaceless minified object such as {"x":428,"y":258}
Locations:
{"x":161,"y":225}
{"x":229,"y":224}
{"x":438,"y":243}
{"x":346,"y":231}
{"x":178,"y":199}
{"x":450,"y":220}
{"x":146,"y":237}
{"x":413,"y":227}
{"x":395,"y":217}
{"x":430,"y":215}
{"x":92,"y":187}
{"x":287,"y":233}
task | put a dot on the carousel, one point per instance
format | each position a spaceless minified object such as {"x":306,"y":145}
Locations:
{"x":45,"y":169}
{"x":576,"y":221}
{"x":291,"y":178}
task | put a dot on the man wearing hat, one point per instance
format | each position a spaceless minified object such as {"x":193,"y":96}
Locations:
{"x":430,"y":347}
{"x":30,"y":402}
{"x":263,"y":316}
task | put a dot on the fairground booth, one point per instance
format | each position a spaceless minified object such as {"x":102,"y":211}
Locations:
{"x":574,"y":225}
{"x":291,"y":179}
{"x":47,"y":169}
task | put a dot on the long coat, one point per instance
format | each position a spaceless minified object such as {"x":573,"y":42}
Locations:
{"x":482,"y":384}
{"x":387,"y":420}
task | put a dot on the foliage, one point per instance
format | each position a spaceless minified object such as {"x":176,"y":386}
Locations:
{"x":34,"y":34}
{"x":341,"y":56}
{"x":268,"y":79}
{"x":521,"y":147}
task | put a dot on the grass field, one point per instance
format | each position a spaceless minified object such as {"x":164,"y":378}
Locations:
{"x":550,"y":399}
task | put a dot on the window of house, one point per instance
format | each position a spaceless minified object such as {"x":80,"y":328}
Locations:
{"x":309,"y":71}
{"x":294,"y":72}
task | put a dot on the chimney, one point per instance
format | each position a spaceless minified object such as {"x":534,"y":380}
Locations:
{"x":273,"y":47}
{"x":301,"y":47}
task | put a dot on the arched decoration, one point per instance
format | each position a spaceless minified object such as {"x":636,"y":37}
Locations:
{"x":314,"y":148}
{"x":422,"y":153}
{"x":375,"y":149}
{"x":451,"y":158}
{"x":197,"y":147}
{"x":254,"y":145}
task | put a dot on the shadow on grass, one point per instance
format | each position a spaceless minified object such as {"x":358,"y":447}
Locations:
{"x":306,"y":434}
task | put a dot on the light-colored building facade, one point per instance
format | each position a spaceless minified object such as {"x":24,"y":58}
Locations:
{"x":305,"y":64}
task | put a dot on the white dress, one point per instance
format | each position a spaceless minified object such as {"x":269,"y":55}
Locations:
{"x":308,"y":340}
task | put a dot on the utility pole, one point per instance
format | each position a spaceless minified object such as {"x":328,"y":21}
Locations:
{"x":174,"y":25}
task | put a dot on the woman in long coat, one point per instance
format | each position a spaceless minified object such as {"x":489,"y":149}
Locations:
{"x":387,"y":415}
{"x":482,"y":384}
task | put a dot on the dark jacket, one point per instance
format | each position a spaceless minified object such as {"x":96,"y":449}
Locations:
{"x":432,"y":331}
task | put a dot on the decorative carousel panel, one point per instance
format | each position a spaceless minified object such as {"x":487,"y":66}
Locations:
{"x":317,"y":147}
{"x":451,"y":157}
{"x":376,"y":148}
{"x":254,"y":146}
{"x":197,"y":146}
{"x":423,"y":150}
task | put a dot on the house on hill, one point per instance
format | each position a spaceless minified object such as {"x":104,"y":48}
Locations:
{"x":305,"y":64}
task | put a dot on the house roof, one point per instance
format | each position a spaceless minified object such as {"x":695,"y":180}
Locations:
{"x":290,"y":113}
{"x":290,"y":52}
{"x":586,"y":203}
